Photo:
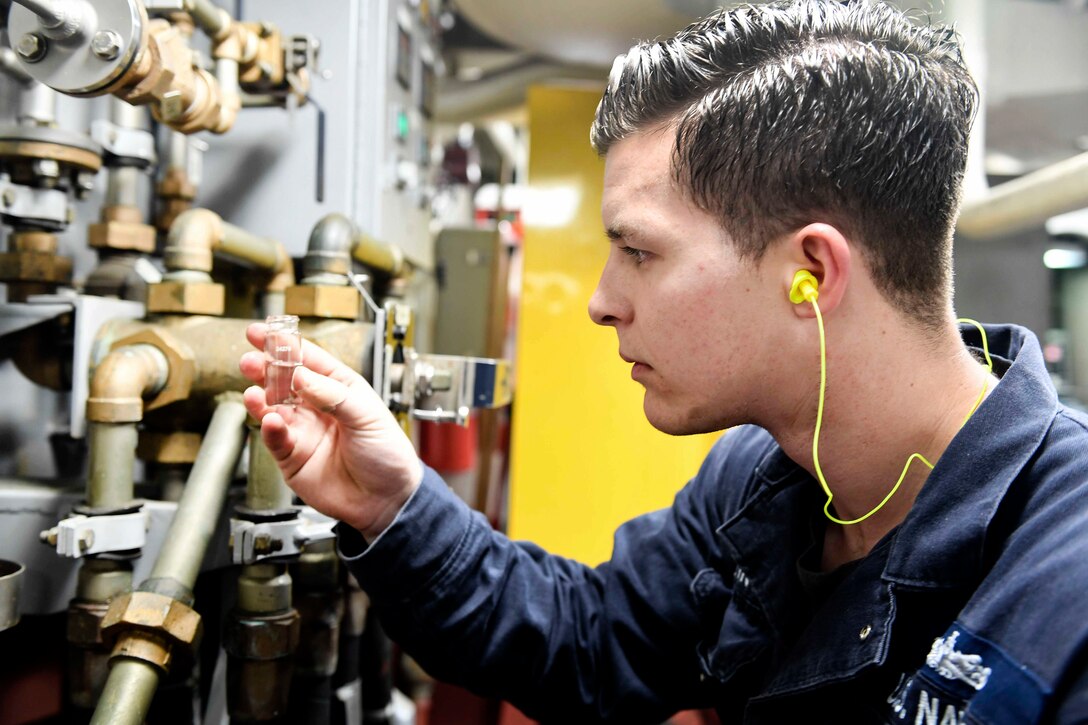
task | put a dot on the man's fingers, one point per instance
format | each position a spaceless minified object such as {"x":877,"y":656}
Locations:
{"x":252,"y":365}
{"x":313,"y":357}
{"x":278,"y":437}
{"x":332,"y":397}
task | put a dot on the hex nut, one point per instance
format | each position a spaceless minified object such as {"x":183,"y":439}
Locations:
{"x":34,"y":267}
{"x":261,"y":638}
{"x":106,"y":44}
{"x":31,"y":47}
{"x":121,"y":235}
{"x":85,"y":623}
{"x":340,"y":302}
{"x":193,"y":298}
{"x":149,"y":626}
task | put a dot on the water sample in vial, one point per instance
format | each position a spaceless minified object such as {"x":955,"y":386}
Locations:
{"x":282,"y":353}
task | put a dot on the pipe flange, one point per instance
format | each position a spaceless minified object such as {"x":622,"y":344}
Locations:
{"x":99,"y":52}
{"x":46,"y":142}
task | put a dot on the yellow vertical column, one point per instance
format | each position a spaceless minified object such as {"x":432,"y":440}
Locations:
{"x":584,"y":459}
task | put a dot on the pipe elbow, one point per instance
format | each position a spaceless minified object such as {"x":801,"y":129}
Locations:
{"x":122,"y":380}
{"x":329,"y":248}
{"x":191,"y":239}
{"x":283,"y":274}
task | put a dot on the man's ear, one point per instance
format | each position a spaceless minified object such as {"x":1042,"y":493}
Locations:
{"x":824,"y":251}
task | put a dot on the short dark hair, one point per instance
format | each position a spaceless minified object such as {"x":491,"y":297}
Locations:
{"x":843,"y":111}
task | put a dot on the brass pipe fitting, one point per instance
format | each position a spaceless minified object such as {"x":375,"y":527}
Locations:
{"x":261,"y":637}
{"x":176,"y":194}
{"x":165,"y":76}
{"x":151,"y":627}
{"x":122,"y":380}
{"x":197,"y":234}
{"x":32,"y":265}
{"x":100,"y":581}
{"x":122,"y":228}
{"x":114,"y":407}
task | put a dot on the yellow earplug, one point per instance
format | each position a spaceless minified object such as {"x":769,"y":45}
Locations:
{"x":805,"y":287}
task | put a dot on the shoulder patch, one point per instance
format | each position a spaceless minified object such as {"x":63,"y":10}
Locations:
{"x":967,"y":678}
{"x":955,"y":665}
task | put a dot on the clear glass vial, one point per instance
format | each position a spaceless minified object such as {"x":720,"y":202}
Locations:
{"x":283,"y":353}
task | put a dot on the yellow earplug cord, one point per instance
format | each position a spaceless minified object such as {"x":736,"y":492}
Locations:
{"x":810,"y":295}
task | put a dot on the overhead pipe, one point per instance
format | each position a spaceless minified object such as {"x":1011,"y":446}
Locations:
{"x":335,"y":240}
{"x":143,"y":651}
{"x":1028,"y":201}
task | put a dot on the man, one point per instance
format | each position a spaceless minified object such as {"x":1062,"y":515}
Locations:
{"x":755,"y":145}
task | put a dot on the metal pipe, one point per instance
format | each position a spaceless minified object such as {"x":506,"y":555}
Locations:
{"x":114,"y":406}
{"x":51,"y":12}
{"x":126,"y":115}
{"x":123,"y":186}
{"x":205,"y":491}
{"x":37,"y":105}
{"x":178,"y":155}
{"x":265,"y":487}
{"x":197,"y":233}
{"x":328,"y":254}
{"x":128,"y":693}
{"x":378,"y":256}
{"x":10,"y":66}
{"x":226,"y":73}
{"x":110,"y":469}
{"x":1028,"y":201}
{"x":211,"y":19}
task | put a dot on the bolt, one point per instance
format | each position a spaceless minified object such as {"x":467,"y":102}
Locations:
{"x":106,"y":44}
{"x":9,"y":197}
{"x":266,"y":29}
{"x":31,"y":47}
{"x":265,"y":544}
{"x":171,"y":106}
{"x":86,"y":539}
{"x":49,"y":536}
{"x":48,"y":168}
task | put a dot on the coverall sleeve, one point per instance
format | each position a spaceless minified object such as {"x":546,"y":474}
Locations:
{"x":562,"y":641}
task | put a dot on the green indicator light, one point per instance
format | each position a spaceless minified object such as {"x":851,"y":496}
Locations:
{"x":402,"y":124}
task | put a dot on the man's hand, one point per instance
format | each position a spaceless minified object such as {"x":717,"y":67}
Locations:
{"x":340,"y":449}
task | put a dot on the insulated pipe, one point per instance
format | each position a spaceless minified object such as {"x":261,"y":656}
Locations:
{"x":198,"y":233}
{"x":205,"y":492}
{"x":1028,"y":201}
{"x":115,"y":405}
